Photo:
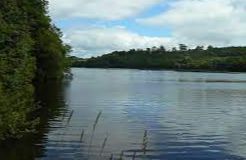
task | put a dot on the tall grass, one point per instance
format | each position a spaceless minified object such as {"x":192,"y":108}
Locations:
{"x":145,"y":141}
{"x":82,"y":135}
{"x":93,"y":130}
{"x":65,"y":125}
{"x":69,"y":117}
{"x":103,"y":145}
{"x":111,"y":157}
{"x":97,"y":119}
{"x":121,"y":155}
{"x":134,"y":155}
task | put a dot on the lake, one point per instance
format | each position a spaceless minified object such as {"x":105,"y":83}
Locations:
{"x":139,"y":114}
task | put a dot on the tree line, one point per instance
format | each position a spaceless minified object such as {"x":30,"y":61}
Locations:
{"x":181,"y":58}
{"x":31,"y":52}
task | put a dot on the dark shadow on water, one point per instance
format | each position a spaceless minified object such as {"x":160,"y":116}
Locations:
{"x":51,"y":97}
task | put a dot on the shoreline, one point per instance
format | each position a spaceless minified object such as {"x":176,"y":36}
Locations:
{"x":164,"y":69}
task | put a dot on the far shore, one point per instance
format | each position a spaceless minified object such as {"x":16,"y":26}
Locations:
{"x":164,"y":69}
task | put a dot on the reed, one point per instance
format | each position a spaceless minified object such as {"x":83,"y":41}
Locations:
{"x":145,"y":141}
{"x":97,"y":119}
{"x":70,"y":117}
{"x":121,"y":155}
{"x":111,"y":157}
{"x":134,"y":155}
{"x":63,"y":116}
{"x":93,"y":130}
{"x":65,"y":125}
{"x":103,"y":145}
{"x":82,"y":135}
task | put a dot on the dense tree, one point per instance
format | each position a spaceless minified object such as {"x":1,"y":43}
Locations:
{"x":30,"y":48}
{"x":199,"y":48}
{"x":213,"y":59}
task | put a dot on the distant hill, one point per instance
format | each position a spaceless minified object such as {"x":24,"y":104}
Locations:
{"x":199,"y":59}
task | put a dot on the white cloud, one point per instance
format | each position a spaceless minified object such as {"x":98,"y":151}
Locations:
{"x":98,"y":9}
{"x":92,"y":41}
{"x":193,"y":22}
{"x":216,"y":22}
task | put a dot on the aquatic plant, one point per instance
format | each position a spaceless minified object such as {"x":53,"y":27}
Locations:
{"x":95,"y":124}
{"x":103,"y":145}
{"x":121,"y":155}
{"x":134,"y":155}
{"x":70,"y":117}
{"x":82,"y":135}
{"x":93,"y":130}
{"x":145,"y":141}
{"x":111,"y":157}
{"x":96,"y":121}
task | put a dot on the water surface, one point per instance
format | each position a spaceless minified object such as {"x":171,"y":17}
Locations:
{"x":183,"y":115}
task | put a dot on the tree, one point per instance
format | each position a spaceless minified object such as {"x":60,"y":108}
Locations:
{"x":162,"y":49}
{"x":210,"y":47}
{"x":30,"y":48}
{"x":148,"y":50}
{"x":182,"y":47}
{"x":199,"y":48}
{"x":224,"y":59}
{"x":154,"y":48}
{"x":174,"y":49}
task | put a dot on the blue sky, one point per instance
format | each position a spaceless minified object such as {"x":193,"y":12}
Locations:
{"x":129,"y":22}
{"x":95,"y":27}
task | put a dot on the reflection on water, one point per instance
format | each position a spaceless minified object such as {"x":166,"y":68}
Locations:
{"x":51,"y":97}
{"x":137,"y":114}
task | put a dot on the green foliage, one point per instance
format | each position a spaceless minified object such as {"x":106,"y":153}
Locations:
{"x":212,"y":59}
{"x":30,"y":48}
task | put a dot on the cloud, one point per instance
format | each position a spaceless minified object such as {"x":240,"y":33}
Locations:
{"x":92,"y":41}
{"x":216,"y":22}
{"x":98,"y":9}
{"x":193,"y":22}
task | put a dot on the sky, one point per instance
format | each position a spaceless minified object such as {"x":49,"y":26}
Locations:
{"x":96,"y":27}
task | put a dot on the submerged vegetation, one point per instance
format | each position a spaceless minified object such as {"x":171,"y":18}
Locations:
{"x":31,"y":51}
{"x":198,"y":59}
